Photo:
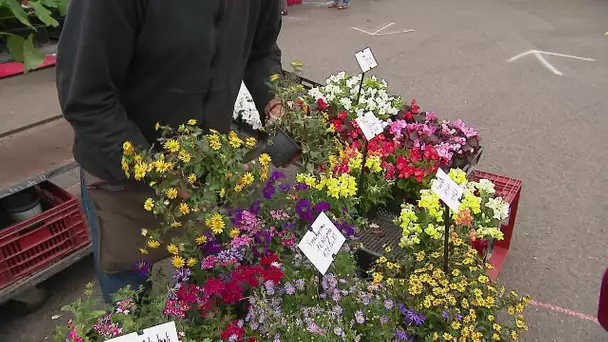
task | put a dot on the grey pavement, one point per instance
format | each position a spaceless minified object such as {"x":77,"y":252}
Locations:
{"x":545,"y":129}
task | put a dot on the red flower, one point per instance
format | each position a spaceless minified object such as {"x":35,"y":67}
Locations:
{"x":415,"y":155}
{"x":431,"y":153}
{"x":415,"y":107}
{"x":232,"y":293}
{"x":233,"y":329}
{"x":321,"y":105}
{"x":188,"y":293}
{"x":342,"y":115}
{"x":213,"y":286}
{"x":268,"y":259}
{"x":273,"y":274}
{"x":337,"y":125}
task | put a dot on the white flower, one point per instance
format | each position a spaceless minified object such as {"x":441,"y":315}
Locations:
{"x":500,"y":208}
{"x":346,"y":103}
{"x":315,"y":92}
{"x":485,"y":186}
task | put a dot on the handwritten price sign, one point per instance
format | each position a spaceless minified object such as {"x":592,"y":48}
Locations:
{"x":449,"y":192}
{"x":322,"y":243}
{"x":160,"y":333}
{"x":366,"y":60}
{"x":370,"y":125}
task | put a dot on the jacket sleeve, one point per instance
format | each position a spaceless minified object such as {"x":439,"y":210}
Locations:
{"x":265,"y":57}
{"x":94,"y":52}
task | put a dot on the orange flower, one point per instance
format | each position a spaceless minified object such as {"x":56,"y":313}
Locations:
{"x":464,"y":218}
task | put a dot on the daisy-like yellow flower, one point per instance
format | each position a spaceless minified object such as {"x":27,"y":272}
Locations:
{"x":215,"y":223}
{"x":247,"y":178}
{"x":157,"y":126}
{"x":191,"y":262}
{"x":176,"y":224}
{"x":234,"y":140}
{"x":377,"y":278}
{"x":495,"y":337}
{"x":387,"y":249}
{"x":264,"y":159}
{"x":173,"y":249}
{"x":223,"y":193}
{"x":514,"y":335}
{"x":153,"y":244}
{"x":390,"y":281}
{"x":192,"y":122}
{"x":483,"y":279}
{"x":447,"y":336}
{"x":274,"y":77}
{"x":214,"y":142}
{"x":511,"y":310}
{"x":172,"y":193}
{"x":143,"y":251}
{"x":184,"y":156}
{"x":171,"y":145}
{"x":455,"y":325}
{"x":192,"y":178}
{"x":491,"y":318}
{"x":234,"y":233}
{"x":184,"y":208}
{"x":382,"y":259}
{"x":128,"y":149}
{"x":239,"y":187}
{"x":178,"y":262}
{"x":201,"y":240}
{"x":124,"y":164}
{"x":149,"y":204}
{"x":251,"y":142}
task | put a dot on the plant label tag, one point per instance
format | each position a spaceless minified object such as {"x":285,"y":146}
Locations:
{"x":166,"y":332}
{"x":366,"y":60}
{"x":447,"y":190}
{"x":370,"y":125}
{"x":322,"y":243}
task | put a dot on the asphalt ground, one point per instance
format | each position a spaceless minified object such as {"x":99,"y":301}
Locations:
{"x":545,"y":129}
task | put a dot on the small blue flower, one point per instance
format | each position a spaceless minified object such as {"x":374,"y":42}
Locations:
{"x":388,"y":304}
{"x":359,"y":317}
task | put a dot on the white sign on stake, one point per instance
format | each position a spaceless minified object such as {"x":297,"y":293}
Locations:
{"x":322,"y":243}
{"x":449,"y":192}
{"x":166,"y":332}
{"x":370,"y":125}
{"x":366,"y":60}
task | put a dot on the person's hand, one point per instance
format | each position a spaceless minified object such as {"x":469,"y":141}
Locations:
{"x":274,"y":109}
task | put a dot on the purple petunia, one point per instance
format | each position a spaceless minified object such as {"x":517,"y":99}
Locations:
{"x":143,"y":267}
{"x":276,"y":175}
{"x":303,"y":210}
{"x":269,"y":190}
{"x":410,"y":316}
{"x":255,"y":207}
{"x":284,"y":187}
{"x":321,"y":207}
{"x":300,"y":186}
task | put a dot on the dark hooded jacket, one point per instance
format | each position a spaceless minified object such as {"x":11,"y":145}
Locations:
{"x":124,"y":65}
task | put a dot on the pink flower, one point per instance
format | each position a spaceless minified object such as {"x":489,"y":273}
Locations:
{"x":431,"y":117}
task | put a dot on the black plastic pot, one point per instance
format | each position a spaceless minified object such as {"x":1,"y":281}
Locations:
{"x":282,"y":149}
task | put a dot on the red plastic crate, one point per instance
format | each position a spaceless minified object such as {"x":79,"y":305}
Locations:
{"x":294,"y":2}
{"x":31,"y":245}
{"x":510,"y":190}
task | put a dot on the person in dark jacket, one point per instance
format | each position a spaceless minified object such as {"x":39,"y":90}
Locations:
{"x":123,"y":66}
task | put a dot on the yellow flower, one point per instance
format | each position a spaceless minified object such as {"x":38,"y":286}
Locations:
{"x":181,"y":128}
{"x":153,"y":244}
{"x":382,"y":259}
{"x":222,"y":192}
{"x":247,"y":178}
{"x":390,"y":281}
{"x":511,"y":310}
{"x":192,"y":178}
{"x":215,"y":223}
{"x":184,"y":208}
{"x":234,"y":140}
{"x":274,"y":77}
{"x":496,"y":327}
{"x":435,"y":336}
{"x":491,"y":318}
{"x":521,"y":324}
{"x":483,"y":279}
{"x":519,"y":308}
{"x":514,"y":335}
{"x":458,"y":176}
{"x":264,"y":159}
{"x":455,"y":325}
{"x":171,"y":248}
{"x":447,"y":336}
{"x":387,"y":249}
{"x":420,"y":256}
{"x":149,"y":204}
{"x":192,"y":122}
{"x":184,"y":156}
{"x":201,"y":240}
{"x":157,"y":126}
{"x":377,"y":278}
{"x":178,"y":262}
{"x":214,"y":142}
{"x":172,"y":193}
{"x":234,"y":233}
{"x":495,"y":337}
{"x":143,"y":251}
{"x":191,"y":262}
{"x":456,"y":273}
{"x":251,"y":142}
{"x":526,"y":300}
{"x":176,"y":224}
{"x":171,"y":145}
{"x":127,"y":148}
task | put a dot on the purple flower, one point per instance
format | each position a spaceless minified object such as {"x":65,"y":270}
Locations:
{"x":388,"y":304}
{"x":445,"y":315}
{"x":143,"y":267}
{"x":300,"y":186}
{"x":300,"y":284}
{"x":336,"y":295}
{"x":211,"y":247}
{"x":315,"y":329}
{"x":303,"y":210}
{"x":337,"y":310}
{"x":182,"y":275}
{"x":458,"y":317}
{"x":276,"y":175}
{"x":410,"y":316}
{"x":284,"y":187}
{"x":321,"y":207}
{"x":269,"y":190}
{"x":383,"y":320}
{"x":290,"y":289}
{"x":359,"y":317}
{"x":365,"y":298}
{"x":338,"y":331}
{"x":277,"y":337}
{"x":255,"y":207}
{"x":401,"y":335}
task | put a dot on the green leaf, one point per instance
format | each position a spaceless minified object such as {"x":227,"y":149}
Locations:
{"x":402,"y":183}
{"x":18,"y":12}
{"x":32,"y":57}
{"x":43,"y":14}
{"x":15,"y":44}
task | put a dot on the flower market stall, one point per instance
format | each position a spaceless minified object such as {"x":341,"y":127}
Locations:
{"x":357,"y":246}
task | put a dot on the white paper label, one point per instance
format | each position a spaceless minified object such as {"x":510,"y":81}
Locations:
{"x":322,"y":243}
{"x":449,"y":192}
{"x":166,"y":332}
{"x":370,"y":125}
{"x":366,"y":60}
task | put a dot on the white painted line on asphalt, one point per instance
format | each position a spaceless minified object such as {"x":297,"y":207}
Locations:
{"x":378,"y":31}
{"x":566,"y":311}
{"x":539,"y":55}
{"x":383,"y":27}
